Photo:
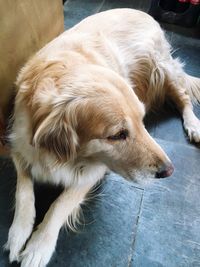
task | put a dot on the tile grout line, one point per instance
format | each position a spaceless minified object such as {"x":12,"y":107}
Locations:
{"x":131,"y":185}
{"x":136,"y":228}
{"x":99,"y":8}
{"x":66,"y":3}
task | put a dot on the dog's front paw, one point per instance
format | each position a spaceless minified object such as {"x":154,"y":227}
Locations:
{"x":39,"y":250}
{"x":192,"y":128}
{"x":17,"y":238}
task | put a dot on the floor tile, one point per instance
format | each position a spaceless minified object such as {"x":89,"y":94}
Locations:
{"x":145,"y":5}
{"x":168,"y":227}
{"x":7,"y":191}
{"x":109,"y":4}
{"x":109,"y":232}
{"x":168,"y":125}
{"x":189,"y":55}
{"x":109,"y":228}
{"x":76,"y":10}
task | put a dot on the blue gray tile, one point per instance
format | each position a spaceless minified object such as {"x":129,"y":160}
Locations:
{"x":187,"y":48}
{"x":110,"y":229}
{"x":169,"y":126}
{"x":76,"y":10}
{"x":7,"y":191}
{"x":168,"y":230}
{"x":109,"y":4}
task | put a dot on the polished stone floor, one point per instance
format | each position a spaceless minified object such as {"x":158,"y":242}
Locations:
{"x":129,"y":225}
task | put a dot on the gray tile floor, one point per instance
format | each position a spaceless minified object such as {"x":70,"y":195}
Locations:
{"x":127,"y":224}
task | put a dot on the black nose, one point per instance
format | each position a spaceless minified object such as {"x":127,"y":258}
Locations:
{"x":165,"y":170}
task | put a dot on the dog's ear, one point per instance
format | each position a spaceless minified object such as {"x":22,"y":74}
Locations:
{"x":57,"y":136}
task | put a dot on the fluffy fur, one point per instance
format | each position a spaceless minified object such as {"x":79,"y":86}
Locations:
{"x":79,"y":111}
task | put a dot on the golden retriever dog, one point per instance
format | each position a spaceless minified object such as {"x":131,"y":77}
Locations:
{"x":79,"y":112}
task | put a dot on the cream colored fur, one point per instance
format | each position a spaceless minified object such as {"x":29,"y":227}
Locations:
{"x":79,"y":112}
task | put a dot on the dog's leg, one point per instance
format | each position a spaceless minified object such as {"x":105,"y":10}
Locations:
{"x":42,"y":244}
{"x":178,"y":93}
{"x":24,"y":212}
{"x":191,"y":124}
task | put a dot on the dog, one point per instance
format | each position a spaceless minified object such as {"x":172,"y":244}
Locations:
{"x":79,"y":112}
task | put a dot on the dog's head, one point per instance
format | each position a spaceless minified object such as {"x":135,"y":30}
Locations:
{"x":91,"y":113}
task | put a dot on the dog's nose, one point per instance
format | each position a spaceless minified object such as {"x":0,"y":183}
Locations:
{"x":165,"y":170}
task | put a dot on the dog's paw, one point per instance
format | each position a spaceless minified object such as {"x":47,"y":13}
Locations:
{"x":17,"y":238}
{"x":192,"y":128}
{"x":39,"y":250}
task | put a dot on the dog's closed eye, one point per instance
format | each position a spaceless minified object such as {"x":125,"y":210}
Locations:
{"x":121,"y":135}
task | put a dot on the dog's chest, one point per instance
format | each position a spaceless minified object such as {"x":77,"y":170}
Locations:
{"x":51,"y":174}
{"x":43,"y":169}
{"x":42,"y":166}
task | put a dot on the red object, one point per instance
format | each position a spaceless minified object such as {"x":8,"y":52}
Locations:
{"x":193,"y":2}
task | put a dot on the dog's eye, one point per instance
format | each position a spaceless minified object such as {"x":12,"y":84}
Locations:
{"x":122,"y":135}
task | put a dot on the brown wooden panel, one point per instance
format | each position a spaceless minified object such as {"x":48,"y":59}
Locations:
{"x":25,"y":27}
